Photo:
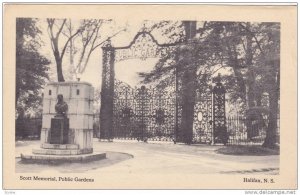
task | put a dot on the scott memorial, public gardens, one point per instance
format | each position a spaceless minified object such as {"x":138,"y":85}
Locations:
{"x":93,"y":95}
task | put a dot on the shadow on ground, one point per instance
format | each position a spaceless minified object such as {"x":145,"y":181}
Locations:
{"x":269,"y":171}
{"x":111,"y":159}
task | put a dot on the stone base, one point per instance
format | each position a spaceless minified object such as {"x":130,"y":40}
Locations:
{"x":62,"y":151}
{"x":60,"y":146}
{"x":57,"y":159}
{"x":81,"y":137}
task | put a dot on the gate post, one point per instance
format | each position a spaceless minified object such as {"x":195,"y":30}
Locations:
{"x":219,"y":114}
{"x":107,"y":91}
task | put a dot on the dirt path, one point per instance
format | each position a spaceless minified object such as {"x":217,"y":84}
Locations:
{"x":168,"y":158}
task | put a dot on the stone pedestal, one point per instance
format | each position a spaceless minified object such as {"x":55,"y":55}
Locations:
{"x":68,"y":138}
{"x":79,"y":97}
{"x":59,"y":131}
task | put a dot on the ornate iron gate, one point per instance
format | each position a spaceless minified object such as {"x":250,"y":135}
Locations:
{"x":203,"y":121}
{"x":150,"y":114}
{"x":219,"y":115}
{"x":210,"y":116}
{"x":147,"y":113}
{"x":143,"y":114}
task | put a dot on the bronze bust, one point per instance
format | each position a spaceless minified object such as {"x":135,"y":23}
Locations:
{"x":61,"y":107}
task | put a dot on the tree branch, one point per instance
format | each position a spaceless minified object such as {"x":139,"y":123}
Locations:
{"x":60,"y":29}
{"x":50,"y":26}
{"x":255,"y":38}
{"x":91,"y":50}
{"x":66,"y":44}
{"x":50,"y":32}
{"x":108,"y":38}
{"x":85,"y":44}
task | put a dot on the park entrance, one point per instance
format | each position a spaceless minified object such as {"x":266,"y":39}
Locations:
{"x":144,"y":114}
{"x":151,"y":113}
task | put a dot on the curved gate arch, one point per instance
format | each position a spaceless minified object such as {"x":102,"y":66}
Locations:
{"x":143,"y":46}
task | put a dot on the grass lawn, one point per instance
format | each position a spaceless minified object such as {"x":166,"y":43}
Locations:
{"x":248,"y":151}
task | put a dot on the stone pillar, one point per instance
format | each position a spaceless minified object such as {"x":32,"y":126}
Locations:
{"x":190,"y":29}
{"x":219,"y":113}
{"x":79,"y":97}
{"x":107,"y":92}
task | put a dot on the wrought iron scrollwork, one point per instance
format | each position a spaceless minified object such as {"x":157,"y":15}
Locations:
{"x":143,"y":114}
{"x":219,"y":115}
{"x":153,"y":114}
{"x":160,"y":116}
{"x":107,"y":90}
{"x":203,"y":127}
{"x":142,"y":47}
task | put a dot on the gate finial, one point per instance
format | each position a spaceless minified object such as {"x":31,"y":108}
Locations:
{"x":107,"y":43}
{"x":144,"y":28}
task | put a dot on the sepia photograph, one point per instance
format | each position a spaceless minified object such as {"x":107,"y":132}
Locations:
{"x":131,"y":97}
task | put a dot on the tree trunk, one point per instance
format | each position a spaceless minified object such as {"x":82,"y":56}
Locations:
{"x":188,"y":87}
{"x":241,"y":83}
{"x":188,"y":103}
{"x":251,"y":90}
{"x":252,"y":131}
{"x":270,"y":141}
{"x":60,"y":76}
{"x":58,"y":60}
{"x":251,"y":74}
{"x":250,"y":102}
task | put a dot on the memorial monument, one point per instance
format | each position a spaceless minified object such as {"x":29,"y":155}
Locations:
{"x":60,"y":123}
{"x":67,"y":127}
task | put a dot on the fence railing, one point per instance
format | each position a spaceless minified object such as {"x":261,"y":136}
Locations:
{"x":30,"y":128}
{"x":244,"y":131}
{"x":241,"y":131}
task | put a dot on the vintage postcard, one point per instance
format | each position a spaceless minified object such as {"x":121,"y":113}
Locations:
{"x":150,"y":96}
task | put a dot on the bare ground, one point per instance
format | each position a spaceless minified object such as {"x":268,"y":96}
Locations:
{"x":127,"y":157}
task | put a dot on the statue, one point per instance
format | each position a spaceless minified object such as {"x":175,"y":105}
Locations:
{"x":60,"y":122}
{"x":61,"y":107}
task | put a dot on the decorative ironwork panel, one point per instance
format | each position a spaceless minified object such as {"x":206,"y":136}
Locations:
{"x":132,"y":114}
{"x":142,"y":47}
{"x":108,"y":74}
{"x":162,"y":112}
{"x":219,"y":115}
{"x":107,"y":91}
{"x":143,"y":114}
{"x":203,"y":117}
{"x":123,"y":113}
{"x":142,"y":111}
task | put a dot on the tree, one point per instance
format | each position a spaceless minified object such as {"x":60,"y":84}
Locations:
{"x":237,"y":51}
{"x":54,"y":38}
{"x":31,"y":66}
{"x":188,"y":61}
{"x":267,"y":38}
{"x":260,"y":72}
{"x":250,"y":51}
{"x":82,"y":41}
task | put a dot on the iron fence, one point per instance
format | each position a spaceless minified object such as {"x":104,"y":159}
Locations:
{"x":241,"y":131}
{"x":244,"y":131}
{"x":30,"y":128}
